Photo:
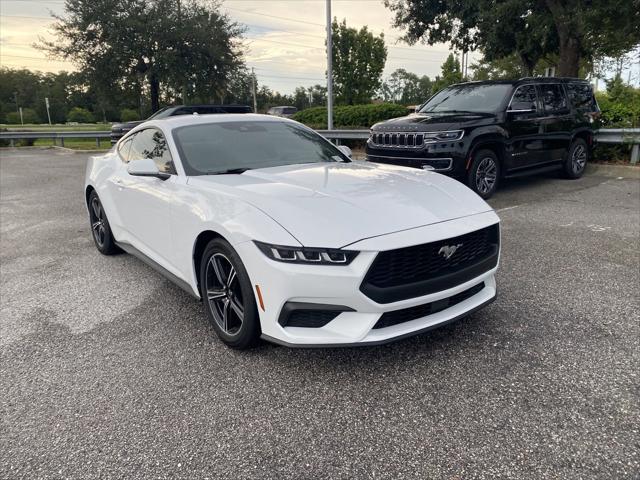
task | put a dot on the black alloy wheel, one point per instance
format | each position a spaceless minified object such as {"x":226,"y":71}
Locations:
{"x":484,"y":174}
{"x":577,"y":158}
{"x":228,"y":296}
{"x":100,"y":229}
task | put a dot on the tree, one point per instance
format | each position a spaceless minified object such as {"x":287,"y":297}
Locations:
{"x":406,"y":88}
{"x":531,"y":29}
{"x":147,"y":43}
{"x":80,"y":115}
{"x":358,"y":62}
{"x":451,"y":73}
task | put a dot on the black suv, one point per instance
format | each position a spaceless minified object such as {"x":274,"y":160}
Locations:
{"x":480,"y":132}
{"x":119,"y":129}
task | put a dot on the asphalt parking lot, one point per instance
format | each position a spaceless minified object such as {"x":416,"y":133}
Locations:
{"x":108,"y":370}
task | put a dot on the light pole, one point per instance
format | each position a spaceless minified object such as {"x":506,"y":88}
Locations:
{"x":329,"y":70}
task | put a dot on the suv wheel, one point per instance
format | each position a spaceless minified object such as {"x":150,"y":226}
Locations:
{"x":228,"y":297}
{"x":484,"y":173}
{"x":577,"y":158}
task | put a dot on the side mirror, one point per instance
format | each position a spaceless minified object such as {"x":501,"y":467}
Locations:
{"x":346,"y":150}
{"x":146,"y":167}
{"x":522,"y":107}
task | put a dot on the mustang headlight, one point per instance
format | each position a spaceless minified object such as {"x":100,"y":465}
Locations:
{"x":304,"y":255}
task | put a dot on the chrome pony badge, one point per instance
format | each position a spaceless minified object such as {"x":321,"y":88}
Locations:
{"x":448,"y":250}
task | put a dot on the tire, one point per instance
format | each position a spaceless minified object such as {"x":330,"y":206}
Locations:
{"x":484,"y":174}
{"x":100,"y":229}
{"x":229,"y":303}
{"x":577,"y":158}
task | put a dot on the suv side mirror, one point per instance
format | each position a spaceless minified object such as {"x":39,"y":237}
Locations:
{"x":522,"y":107}
{"x":346,"y":150}
{"x":146,"y":167}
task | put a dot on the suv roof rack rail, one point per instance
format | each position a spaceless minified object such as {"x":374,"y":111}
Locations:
{"x":553,"y":78}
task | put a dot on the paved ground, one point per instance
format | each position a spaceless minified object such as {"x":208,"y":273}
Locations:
{"x":108,"y":370}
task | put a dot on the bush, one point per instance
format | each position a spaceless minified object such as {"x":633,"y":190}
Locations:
{"x":29,"y":115}
{"x":80,"y":115}
{"x":351,"y":116}
{"x":129,"y":115}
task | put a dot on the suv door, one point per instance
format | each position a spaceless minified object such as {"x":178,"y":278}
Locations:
{"x":524,"y":127}
{"x":556,"y":121}
{"x":146,"y":202}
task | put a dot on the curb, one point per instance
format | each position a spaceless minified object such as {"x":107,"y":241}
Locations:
{"x":614,"y":171}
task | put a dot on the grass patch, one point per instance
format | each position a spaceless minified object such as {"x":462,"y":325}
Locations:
{"x":75,"y":143}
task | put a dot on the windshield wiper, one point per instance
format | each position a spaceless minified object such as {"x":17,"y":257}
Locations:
{"x":229,"y":171}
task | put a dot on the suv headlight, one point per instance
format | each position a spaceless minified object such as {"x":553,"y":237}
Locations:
{"x":307,"y":256}
{"x":449,"y":135}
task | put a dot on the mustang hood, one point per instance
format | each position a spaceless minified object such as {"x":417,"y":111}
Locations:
{"x":336,"y":204}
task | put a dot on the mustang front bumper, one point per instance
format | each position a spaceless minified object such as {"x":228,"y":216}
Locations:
{"x":354,"y":318}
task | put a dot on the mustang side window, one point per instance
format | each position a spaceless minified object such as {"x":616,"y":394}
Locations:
{"x":151,"y":143}
{"x":124,"y":148}
{"x":553,"y":97}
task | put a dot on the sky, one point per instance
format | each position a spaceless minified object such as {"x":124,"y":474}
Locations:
{"x":284,"y":40}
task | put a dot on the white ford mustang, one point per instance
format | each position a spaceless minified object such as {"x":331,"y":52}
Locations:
{"x":285,"y":238}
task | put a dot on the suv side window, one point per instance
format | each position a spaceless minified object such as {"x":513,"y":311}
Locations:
{"x":581,"y":96}
{"x":525,"y":94}
{"x":124,"y":148}
{"x":151,"y":143}
{"x":553,"y":99}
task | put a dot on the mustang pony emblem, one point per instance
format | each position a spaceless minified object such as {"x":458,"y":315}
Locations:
{"x":448,"y":250}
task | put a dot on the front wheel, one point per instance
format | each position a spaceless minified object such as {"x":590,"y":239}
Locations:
{"x":484,"y":173}
{"x":577,"y":157}
{"x":100,"y":229}
{"x":228,"y":296}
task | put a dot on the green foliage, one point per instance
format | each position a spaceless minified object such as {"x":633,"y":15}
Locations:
{"x":80,"y":115}
{"x":358,"y":62}
{"x":351,"y":116}
{"x":620,"y":105}
{"x":29,"y":115}
{"x":129,"y":115}
{"x":406,"y":88}
{"x":451,"y":73}
{"x":186,"y":48}
{"x":529,"y":29}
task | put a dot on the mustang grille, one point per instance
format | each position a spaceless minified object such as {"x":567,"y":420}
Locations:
{"x":396,"y":317}
{"x":422,"y":269}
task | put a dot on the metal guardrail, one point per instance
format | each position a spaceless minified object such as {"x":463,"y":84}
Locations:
{"x":627,"y":136}
{"x":13,"y":136}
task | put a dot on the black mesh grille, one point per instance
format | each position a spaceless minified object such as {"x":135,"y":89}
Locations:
{"x":389,"y":319}
{"x":310,"y":318}
{"x":424,"y":269}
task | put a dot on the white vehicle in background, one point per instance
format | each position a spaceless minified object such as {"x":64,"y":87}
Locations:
{"x":284,"y":237}
{"x":286,"y":112}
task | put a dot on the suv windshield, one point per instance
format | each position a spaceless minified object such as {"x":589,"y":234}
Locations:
{"x":160,"y":113}
{"x":468,"y":98}
{"x":219,"y":147}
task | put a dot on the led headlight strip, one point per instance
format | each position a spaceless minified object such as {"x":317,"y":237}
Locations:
{"x":307,"y":256}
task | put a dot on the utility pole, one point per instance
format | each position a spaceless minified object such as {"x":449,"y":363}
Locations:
{"x":15,"y":96}
{"x":329,"y":70}
{"x":46,"y":102}
{"x":253,"y":89}
{"x":184,"y":81}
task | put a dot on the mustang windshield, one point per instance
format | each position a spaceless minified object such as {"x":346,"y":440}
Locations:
{"x":232,"y":147}
{"x":468,"y":98}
